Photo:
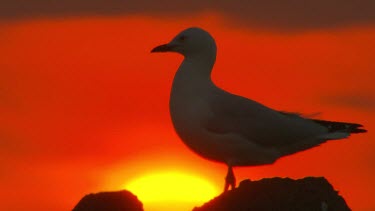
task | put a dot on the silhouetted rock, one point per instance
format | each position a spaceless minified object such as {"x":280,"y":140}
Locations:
{"x":109,"y":201}
{"x":279,"y":194}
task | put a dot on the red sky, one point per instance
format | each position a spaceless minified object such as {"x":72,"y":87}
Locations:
{"x":82,"y":101}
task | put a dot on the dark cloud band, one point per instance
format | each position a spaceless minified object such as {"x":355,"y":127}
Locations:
{"x":288,"y":14}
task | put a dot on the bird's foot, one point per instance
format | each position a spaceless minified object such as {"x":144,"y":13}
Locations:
{"x":230,"y":180}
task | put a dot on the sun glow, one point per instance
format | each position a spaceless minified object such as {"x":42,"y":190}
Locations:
{"x":172,"y":187}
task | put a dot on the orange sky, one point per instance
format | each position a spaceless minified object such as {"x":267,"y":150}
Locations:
{"x":84,"y":105}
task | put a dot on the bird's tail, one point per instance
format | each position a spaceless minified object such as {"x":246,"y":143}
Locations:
{"x":336,"y":130}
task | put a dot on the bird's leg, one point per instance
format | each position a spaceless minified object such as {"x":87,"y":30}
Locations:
{"x":230,"y":179}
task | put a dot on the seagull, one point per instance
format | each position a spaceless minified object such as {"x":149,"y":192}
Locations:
{"x":231,"y":129}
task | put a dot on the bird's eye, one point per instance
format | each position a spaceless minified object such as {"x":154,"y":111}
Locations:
{"x":182,"y":38}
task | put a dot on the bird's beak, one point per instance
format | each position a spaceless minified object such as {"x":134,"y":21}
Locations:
{"x":162,"y":48}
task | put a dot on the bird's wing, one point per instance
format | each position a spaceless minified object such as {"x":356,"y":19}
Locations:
{"x":331,"y":126}
{"x":260,"y":124}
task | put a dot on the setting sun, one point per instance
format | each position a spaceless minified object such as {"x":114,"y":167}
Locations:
{"x":172,"y":188}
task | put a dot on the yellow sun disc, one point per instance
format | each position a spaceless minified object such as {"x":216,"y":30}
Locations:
{"x":172,"y":186}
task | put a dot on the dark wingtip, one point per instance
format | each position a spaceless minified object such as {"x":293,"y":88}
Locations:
{"x":356,"y":128}
{"x":341,"y":126}
{"x":360,"y":130}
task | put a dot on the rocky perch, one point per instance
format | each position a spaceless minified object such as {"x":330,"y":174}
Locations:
{"x":109,"y":201}
{"x":273,"y":194}
{"x":308,"y":194}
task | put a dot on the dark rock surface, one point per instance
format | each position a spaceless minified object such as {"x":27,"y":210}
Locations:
{"x":271,"y":194}
{"x":279,"y":194}
{"x":109,"y":201}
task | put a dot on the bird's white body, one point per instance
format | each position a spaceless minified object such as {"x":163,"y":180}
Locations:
{"x":194,"y":104}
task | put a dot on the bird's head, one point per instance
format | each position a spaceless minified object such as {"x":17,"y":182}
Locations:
{"x":189,"y":42}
